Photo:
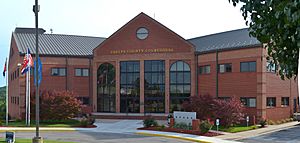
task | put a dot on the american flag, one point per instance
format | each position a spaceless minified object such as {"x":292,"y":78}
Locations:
{"x":27,"y":62}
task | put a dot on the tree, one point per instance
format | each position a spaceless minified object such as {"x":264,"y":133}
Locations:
{"x":276,"y":24}
{"x":202,"y":105}
{"x":229,"y":111}
{"x":57,"y":105}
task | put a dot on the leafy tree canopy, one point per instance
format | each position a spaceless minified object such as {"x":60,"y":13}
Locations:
{"x":275,"y":23}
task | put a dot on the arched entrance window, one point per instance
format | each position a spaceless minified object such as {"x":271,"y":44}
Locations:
{"x":180,"y":84}
{"x":106,"y":88}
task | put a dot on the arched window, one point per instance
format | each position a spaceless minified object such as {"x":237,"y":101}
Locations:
{"x":106,"y":88}
{"x":180,"y":84}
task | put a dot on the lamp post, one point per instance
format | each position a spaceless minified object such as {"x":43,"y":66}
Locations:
{"x":37,"y":138}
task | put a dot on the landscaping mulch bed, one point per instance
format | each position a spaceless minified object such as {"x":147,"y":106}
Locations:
{"x":175,"y":130}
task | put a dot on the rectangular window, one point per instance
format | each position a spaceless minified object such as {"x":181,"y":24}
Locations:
{"x":130,"y":86}
{"x":249,"y":101}
{"x":225,"y":68}
{"x":155,"y":86}
{"x":248,"y":67}
{"x":85,"y":72}
{"x":271,"y":67}
{"x":58,"y":71}
{"x":81,"y":72}
{"x":284,"y":101}
{"x":271,"y":101}
{"x":84,"y":100}
{"x":204,"y":69}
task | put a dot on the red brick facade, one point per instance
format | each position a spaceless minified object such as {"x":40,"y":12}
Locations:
{"x":80,"y":85}
{"x":161,"y":44}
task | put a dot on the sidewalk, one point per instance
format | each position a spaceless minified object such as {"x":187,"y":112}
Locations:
{"x":257,"y":132}
{"x":4,"y":129}
{"x":188,"y":137}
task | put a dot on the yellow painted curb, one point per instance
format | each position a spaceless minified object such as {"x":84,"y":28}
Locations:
{"x":170,"y":136}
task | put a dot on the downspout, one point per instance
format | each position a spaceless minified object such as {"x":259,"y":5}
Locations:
{"x":217,"y":73}
{"x":90,"y":84}
{"x":67,"y":63}
{"x":197,"y":75}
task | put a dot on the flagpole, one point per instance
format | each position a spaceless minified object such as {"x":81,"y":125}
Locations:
{"x":26,"y":97}
{"x":6,"y":102}
{"x":28,"y":100}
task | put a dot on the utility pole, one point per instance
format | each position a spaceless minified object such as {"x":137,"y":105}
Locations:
{"x":37,"y":138}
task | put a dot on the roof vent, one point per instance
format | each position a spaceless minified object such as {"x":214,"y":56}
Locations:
{"x":29,"y":30}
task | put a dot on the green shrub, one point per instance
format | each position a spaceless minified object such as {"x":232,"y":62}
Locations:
{"x":183,"y":126}
{"x":87,"y":121}
{"x":263,"y":122}
{"x":254,"y":127}
{"x":84,"y":122}
{"x":291,"y":119}
{"x":150,"y":122}
{"x":161,"y":127}
{"x":205,"y":126}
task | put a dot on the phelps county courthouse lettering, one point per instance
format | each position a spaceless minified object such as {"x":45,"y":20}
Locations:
{"x":145,"y":68}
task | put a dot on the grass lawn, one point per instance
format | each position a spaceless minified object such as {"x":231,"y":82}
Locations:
{"x":30,"y":141}
{"x":66,"y":123}
{"x":234,"y":129}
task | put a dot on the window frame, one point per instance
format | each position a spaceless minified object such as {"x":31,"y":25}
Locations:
{"x":225,"y":67}
{"x":179,"y":90}
{"x":59,"y":71}
{"x":271,"y":68}
{"x":282,"y":102}
{"x":247,"y":102}
{"x":154,"y":69}
{"x":205,"y":68}
{"x":271,"y":98}
{"x":248,"y":66}
{"x":81,"y":71}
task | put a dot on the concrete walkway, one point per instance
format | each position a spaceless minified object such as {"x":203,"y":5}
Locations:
{"x":257,"y":132}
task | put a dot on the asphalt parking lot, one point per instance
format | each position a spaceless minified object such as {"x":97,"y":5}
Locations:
{"x":291,"y":135}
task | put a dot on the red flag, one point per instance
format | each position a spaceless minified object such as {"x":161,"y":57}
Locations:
{"x":4,"y":70}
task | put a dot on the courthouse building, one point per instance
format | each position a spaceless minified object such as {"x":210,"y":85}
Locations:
{"x":146,"y":68}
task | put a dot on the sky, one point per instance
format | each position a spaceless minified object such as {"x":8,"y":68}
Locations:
{"x":102,"y":18}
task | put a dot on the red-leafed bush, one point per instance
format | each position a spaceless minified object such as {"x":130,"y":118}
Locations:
{"x":203,"y":105}
{"x":229,"y":111}
{"x":56,"y":105}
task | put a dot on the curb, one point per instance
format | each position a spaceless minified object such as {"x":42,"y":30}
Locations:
{"x":172,"y":136}
{"x":259,"y":134}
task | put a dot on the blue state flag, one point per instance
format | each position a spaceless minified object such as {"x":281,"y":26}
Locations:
{"x":39,"y":72}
